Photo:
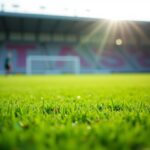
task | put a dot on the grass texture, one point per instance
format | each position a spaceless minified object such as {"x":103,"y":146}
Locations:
{"x":75,"y":112}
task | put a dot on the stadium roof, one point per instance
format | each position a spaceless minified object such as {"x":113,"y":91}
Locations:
{"x":18,"y":22}
{"x":11,"y":23}
{"x":15,"y":18}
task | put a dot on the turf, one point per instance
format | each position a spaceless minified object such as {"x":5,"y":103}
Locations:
{"x":75,"y":112}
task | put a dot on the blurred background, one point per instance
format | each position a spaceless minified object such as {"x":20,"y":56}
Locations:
{"x":74,"y":36}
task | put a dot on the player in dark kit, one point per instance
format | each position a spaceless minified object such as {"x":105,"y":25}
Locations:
{"x":8,"y":65}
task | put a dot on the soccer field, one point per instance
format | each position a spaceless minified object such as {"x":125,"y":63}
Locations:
{"x":75,"y":112}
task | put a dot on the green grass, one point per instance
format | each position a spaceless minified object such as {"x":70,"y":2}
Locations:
{"x":75,"y":112}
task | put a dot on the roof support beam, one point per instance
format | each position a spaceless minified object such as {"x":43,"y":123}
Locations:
{"x":21,"y":27}
{"x":38,"y":28}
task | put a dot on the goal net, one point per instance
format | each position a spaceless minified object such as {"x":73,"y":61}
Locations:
{"x":52,"y":64}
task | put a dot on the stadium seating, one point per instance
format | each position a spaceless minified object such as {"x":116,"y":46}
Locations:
{"x":129,"y":59}
{"x":141,"y":57}
{"x":111,"y":59}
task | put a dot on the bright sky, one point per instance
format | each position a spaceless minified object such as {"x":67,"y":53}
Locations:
{"x":107,"y":9}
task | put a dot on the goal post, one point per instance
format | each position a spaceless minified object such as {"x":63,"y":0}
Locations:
{"x":52,"y":64}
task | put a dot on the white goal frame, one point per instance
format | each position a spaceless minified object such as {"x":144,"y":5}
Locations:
{"x":31,"y":58}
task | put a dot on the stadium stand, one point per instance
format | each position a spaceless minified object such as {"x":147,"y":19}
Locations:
{"x":111,"y":60}
{"x":40,"y":35}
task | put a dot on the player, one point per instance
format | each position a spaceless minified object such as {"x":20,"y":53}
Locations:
{"x":8,"y":64}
